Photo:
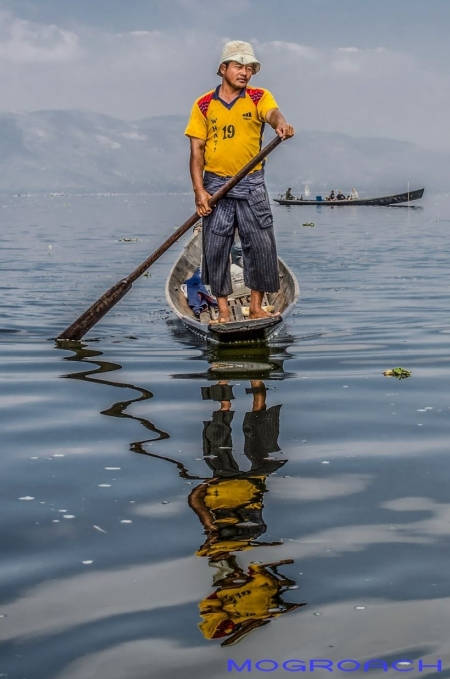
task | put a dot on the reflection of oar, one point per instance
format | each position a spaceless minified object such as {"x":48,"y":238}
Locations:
{"x":90,"y":317}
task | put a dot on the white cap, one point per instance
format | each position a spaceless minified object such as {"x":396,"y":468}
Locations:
{"x":239,"y":51}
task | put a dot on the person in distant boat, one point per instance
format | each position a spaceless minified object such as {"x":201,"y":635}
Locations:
{"x":225,"y":132}
{"x":340,"y":195}
{"x":289,"y":195}
{"x":354,"y":194}
{"x":331,"y":196}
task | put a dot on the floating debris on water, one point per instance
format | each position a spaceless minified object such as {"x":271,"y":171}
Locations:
{"x":104,"y":485}
{"x":360,"y":608}
{"x":87,"y":563}
{"x":68,"y":516}
{"x":112,"y":469}
{"x":128,"y":240}
{"x":99,"y":529}
{"x":308,"y":224}
{"x":126,"y":521}
{"x":325,"y":462}
{"x":400,"y":373}
{"x":26,"y":497}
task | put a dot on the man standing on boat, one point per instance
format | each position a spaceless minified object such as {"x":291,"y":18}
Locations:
{"x":225,"y":130}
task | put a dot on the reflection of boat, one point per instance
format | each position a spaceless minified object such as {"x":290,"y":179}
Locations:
{"x":241,"y":329}
{"x":230,"y":361}
{"x":384,"y":200}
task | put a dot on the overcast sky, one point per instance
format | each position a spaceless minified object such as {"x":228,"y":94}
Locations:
{"x":363,"y":67}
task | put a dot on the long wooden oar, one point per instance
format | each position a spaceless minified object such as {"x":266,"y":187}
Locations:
{"x":101,"y":307}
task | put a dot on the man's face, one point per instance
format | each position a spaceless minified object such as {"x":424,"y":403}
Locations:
{"x":235,"y":74}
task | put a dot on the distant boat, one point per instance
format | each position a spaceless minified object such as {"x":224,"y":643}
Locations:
{"x":384,"y":200}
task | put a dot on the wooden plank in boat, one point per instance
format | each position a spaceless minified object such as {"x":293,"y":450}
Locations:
{"x":244,"y":326}
{"x":241,"y":329}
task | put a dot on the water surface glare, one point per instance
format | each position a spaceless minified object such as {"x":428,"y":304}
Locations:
{"x":156,"y":512}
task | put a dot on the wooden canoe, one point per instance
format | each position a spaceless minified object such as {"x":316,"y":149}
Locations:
{"x":241,"y":329}
{"x":384,"y":200}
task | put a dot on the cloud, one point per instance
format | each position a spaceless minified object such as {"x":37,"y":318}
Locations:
{"x":25,"y":41}
{"x":214,"y":8}
{"x":291,"y":49}
{"x":136,"y":74}
{"x":367,"y":92}
{"x":430,"y":528}
{"x":307,"y":489}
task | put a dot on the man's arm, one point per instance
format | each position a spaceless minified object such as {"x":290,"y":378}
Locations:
{"x":196,"y":501}
{"x":196,"y":167}
{"x":277,"y":120}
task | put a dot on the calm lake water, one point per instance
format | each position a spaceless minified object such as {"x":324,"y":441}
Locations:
{"x":336,"y":477}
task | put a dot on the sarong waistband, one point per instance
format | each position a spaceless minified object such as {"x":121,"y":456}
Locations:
{"x":213,"y":182}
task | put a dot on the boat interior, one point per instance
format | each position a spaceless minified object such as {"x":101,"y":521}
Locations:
{"x":238,"y":301}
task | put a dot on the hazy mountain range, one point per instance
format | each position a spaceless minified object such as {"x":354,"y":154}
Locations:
{"x":80,"y":151}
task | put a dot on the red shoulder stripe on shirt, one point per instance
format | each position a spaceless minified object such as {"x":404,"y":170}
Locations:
{"x":204,"y":103}
{"x":255,"y":94}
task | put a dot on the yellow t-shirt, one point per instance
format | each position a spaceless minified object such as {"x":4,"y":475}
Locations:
{"x":233,"y":132}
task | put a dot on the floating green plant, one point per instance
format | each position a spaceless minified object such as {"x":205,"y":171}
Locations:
{"x":399,"y":373}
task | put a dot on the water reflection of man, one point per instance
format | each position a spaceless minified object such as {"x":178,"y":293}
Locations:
{"x":229,"y":506}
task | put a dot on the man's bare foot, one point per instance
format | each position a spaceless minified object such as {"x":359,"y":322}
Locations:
{"x":261,"y":313}
{"x":221,"y":319}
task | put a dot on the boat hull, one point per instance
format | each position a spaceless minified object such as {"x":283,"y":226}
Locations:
{"x":384,"y":200}
{"x":240,"y":330}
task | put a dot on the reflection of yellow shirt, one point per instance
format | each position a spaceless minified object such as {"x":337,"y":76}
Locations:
{"x":249,"y":601}
{"x":232,"y":493}
{"x":233,"y":132}
{"x":224,"y":547}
